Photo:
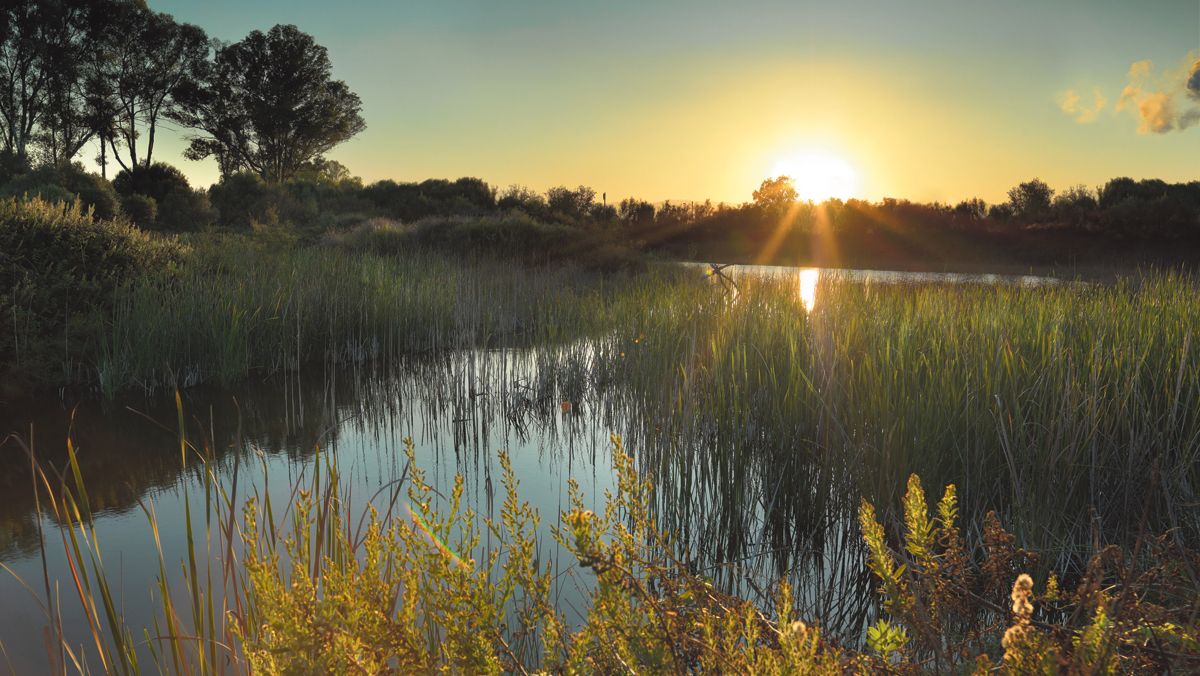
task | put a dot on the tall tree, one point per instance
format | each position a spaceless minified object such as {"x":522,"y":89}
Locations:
{"x":26,"y":33}
{"x":269,"y":104}
{"x":150,"y":59}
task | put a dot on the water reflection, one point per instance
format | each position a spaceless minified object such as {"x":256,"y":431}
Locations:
{"x":460,"y":409}
{"x":808,"y":279}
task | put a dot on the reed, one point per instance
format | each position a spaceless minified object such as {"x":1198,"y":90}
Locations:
{"x":1071,"y":408}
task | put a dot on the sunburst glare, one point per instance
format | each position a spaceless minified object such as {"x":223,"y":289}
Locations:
{"x":819,"y":176}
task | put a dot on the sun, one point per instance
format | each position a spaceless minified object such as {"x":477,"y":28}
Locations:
{"x":819,"y":176}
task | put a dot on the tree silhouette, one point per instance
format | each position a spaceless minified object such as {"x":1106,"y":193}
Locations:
{"x":1031,"y":200}
{"x":268,"y":104}
{"x":149,"y":59}
{"x":775,"y":192}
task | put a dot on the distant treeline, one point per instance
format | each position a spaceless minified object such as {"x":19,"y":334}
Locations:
{"x":1151,"y":219}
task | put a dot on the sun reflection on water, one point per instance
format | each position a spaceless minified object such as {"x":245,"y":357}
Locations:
{"x":808,"y":287}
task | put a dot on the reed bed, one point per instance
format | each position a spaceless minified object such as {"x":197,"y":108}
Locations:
{"x":1074,"y":409}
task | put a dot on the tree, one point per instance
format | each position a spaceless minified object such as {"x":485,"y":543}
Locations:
{"x":636,"y":212}
{"x":776,"y":192}
{"x":973,"y":209}
{"x":150,"y":60}
{"x":38,"y":41}
{"x":268,"y":104}
{"x":1031,"y":200}
{"x":572,"y":205}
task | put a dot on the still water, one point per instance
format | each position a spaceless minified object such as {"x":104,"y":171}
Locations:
{"x":545,"y":406}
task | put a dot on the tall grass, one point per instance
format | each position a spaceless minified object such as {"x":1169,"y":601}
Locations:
{"x":412,"y":586}
{"x":235,"y":310}
{"x":1074,"y":409}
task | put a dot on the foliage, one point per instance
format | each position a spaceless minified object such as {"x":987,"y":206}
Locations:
{"x":177,"y":206}
{"x":141,"y":210}
{"x":775,"y":193}
{"x":268,"y":104}
{"x":408,"y":202}
{"x":66,"y":183}
{"x":1030,"y":201}
{"x":157,"y":181}
{"x":1129,"y":614}
{"x":59,"y":267}
{"x":570,"y":206}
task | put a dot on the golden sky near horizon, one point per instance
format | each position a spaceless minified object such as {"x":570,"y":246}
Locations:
{"x":930,"y":100}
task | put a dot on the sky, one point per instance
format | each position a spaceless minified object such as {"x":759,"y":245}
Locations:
{"x":920,"y":99}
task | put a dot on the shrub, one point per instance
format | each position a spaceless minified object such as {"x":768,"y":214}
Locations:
{"x":11,"y":166}
{"x":57,"y":268}
{"x":179,"y":208}
{"x":943,"y":606}
{"x":140,"y":209}
{"x":242,"y":200}
{"x":64,"y":182}
{"x":157,"y":180}
{"x":185,"y":211}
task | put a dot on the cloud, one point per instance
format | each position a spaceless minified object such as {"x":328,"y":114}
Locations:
{"x":1071,"y":103}
{"x":1156,"y":111}
{"x":1140,"y":68}
{"x":1155,"y":99}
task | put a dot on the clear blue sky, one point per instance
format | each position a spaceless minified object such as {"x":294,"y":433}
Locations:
{"x":928,"y":99}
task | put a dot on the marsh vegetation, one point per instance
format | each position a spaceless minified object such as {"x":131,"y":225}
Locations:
{"x":762,"y":412}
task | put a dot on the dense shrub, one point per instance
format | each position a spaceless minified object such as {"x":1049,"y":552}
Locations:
{"x":11,"y":166}
{"x":185,"y":211}
{"x":433,"y":197}
{"x":64,"y":182}
{"x":157,"y":180}
{"x":57,"y":268}
{"x":244,"y":199}
{"x":178,"y":206}
{"x":141,"y":210}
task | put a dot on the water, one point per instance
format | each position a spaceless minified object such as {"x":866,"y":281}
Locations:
{"x":545,"y":406}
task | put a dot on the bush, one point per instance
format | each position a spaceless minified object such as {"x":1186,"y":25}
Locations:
{"x":140,"y":209}
{"x":11,"y":166}
{"x":64,"y":182}
{"x":433,"y":197}
{"x":179,"y":208}
{"x":244,"y":199}
{"x":57,"y":269}
{"x":185,"y":211}
{"x":157,"y":180}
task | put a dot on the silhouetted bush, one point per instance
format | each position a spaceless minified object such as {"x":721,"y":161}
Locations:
{"x":526,"y":200}
{"x":157,"y":181}
{"x":177,"y":206}
{"x":185,"y":211}
{"x":244,"y":199}
{"x":570,"y":206}
{"x":11,"y":166}
{"x":140,"y":209}
{"x":63,"y":184}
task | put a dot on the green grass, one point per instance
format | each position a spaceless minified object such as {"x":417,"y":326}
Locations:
{"x":1070,"y":408}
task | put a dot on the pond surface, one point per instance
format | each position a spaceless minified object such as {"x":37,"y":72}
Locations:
{"x":546,"y":406}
